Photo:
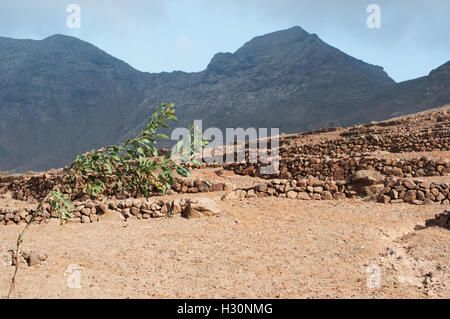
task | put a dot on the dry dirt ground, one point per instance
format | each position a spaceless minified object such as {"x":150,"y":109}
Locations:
{"x":257,"y":248}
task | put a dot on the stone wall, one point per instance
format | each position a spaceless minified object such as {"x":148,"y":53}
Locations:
{"x":310,"y":189}
{"x":94,"y":210}
{"x":341,"y":168}
{"x":37,"y":187}
{"x":416,"y":192}
{"x":363,"y":140}
{"x":394,"y":190}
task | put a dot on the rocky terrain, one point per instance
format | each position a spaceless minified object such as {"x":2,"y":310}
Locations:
{"x":357,"y":212}
{"x":61,"y":96}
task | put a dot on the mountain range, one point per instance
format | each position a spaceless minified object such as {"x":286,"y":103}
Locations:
{"x":61,"y":96}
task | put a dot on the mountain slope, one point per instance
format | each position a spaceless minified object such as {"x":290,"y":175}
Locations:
{"x":409,"y":97}
{"x":58,"y":97}
{"x":61,"y":96}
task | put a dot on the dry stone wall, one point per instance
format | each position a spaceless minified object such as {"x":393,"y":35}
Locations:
{"x":37,"y":187}
{"x":341,"y":168}
{"x":364,"y":140}
{"x":394,"y":190}
{"x":417,"y":192}
{"x":95,"y":210}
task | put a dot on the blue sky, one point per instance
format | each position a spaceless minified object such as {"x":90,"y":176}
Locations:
{"x":168,"y":35}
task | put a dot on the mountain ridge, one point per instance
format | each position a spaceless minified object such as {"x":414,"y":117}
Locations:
{"x":74,"y":97}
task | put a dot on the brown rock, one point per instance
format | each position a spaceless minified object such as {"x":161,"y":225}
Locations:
{"x":199,"y":207}
{"x":425,"y":185}
{"x":410,"y":196}
{"x":111,"y":216}
{"x":316,"y":196}
{"x":251,"y":193}
{"x":230,"y":195}
{"x":367,"y":177}
{"x":103,"y":207}
{"x":303,"y":196}
{"x":291,"y":194}
{"x":34,"y":258}
{"x":409,"y":184}
{"x":135,"y":210}
{"x":339,"y":195}
{"x":393,"y":194}
{"x":85,"y":219}
{"x":384,"y":199}
{"x":176,"y":207}
{"x":326,"y":195}
{"x":318,"y":189}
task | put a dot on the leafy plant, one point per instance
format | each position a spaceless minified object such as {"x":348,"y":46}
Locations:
{"x":188,"y":151}
{"x":133,"y":167}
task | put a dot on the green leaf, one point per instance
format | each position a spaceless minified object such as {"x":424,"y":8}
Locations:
{"x":163,"y":136}
{"x":183,"y":171}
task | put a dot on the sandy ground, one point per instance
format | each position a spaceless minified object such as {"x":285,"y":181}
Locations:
{"x":257,"y":248}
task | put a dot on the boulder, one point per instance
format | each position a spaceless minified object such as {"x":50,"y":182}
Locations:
{"x":367,"y":178}
{"x":367,"y":183}
{"x":200,"y":207}
{"x":110,"y":216}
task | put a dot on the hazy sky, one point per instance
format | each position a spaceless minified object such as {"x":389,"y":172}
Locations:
{"x":167,"y":35}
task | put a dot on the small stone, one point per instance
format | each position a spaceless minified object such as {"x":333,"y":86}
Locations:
{"x":409,"y":196}
{"x":303,"y":196}
{"x":34,"y":258}
{"x":86,"y":211}
{"x":409,"y":184}
{"x":251,"y":193}
{"x":103,"y":207}
{"x":291,"y":194}
{"x":111,"y":216}
{"x":318,"y":189}
{"x":339,"y":195}
{"x":135,"y":210}
{"x":384,"y":199}
{"x":230,"y":195}
{"x":326,"y":195}
{"x":200,"y":207}
{"x":85,"y":219}
{"x":425,"y":185}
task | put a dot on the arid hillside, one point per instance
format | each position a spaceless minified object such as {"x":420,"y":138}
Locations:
{"x":357,"y":212}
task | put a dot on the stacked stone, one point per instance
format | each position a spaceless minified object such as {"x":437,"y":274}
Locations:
{"x":370,"y":141}
{"x":303,"y":189}
{"x":92,"y":211}
{"x":26,"y":188}
{"x":415,"y":192}
{"x":10,"y":215}
{"x":341,"y":168}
